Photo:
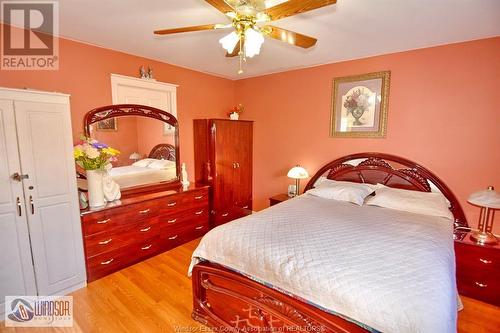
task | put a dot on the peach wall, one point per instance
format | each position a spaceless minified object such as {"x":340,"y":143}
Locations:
{"x":85,"y":74}
{"x":444,"y":112}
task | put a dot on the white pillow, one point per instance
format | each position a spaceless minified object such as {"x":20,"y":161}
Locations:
{"x":342,"y":191}
{"x":161,"y":164}
{"x":144,"y":162}
{"x":425,"y":203}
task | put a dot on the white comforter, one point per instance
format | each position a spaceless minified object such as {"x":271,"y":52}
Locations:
{"x":130,"y":175}
{"x":390,"y":270}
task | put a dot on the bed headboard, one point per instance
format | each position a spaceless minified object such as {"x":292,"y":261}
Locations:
{"x":392,"y":171}
{"x":163,"y":151}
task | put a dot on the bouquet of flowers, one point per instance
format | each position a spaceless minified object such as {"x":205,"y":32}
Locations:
{"x":93,"y":155}
{"x":357,"y":104}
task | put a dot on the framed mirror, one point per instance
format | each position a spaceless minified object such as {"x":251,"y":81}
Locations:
{"x":148,"y":141}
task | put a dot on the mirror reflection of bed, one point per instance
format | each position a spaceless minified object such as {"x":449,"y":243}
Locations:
{"x":147,"y":146}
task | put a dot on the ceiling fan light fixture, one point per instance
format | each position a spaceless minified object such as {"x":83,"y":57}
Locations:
{"x":229,"y":42}
{"x":253,"y":42}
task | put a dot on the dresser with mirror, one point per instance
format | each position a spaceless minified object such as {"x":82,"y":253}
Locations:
{"x":155,"y":213}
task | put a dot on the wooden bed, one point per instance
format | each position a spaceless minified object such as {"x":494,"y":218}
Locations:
{"x":223,"y":299}
{"x":163,"y":151}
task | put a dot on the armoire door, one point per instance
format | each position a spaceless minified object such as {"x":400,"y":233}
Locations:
{"x":16,"y":267}
{"x":45,"y":151}
{"x":242,"y":179}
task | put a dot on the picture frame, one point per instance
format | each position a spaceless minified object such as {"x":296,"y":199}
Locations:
{"x":107,"y":125}
{"x":359,"y":105}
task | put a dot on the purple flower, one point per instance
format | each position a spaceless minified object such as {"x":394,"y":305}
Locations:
{"x":99,"y":145}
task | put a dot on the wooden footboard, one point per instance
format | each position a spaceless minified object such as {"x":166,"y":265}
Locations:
{"x":228,"y":301}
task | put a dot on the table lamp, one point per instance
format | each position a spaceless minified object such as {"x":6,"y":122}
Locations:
{"x":135,"y":156}
{"x":297,"y":173}
{"x":488,"y":200}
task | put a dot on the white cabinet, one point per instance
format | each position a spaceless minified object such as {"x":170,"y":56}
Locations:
{"x":41,"y":251}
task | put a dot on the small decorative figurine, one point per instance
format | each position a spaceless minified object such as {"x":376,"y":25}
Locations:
{"x":110,"y":188}
{"x":143,"y":73}
{"x":184,"y":178}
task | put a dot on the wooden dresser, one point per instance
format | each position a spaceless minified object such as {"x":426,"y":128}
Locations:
{"x":135,"y":228}
{"x":478,"y":269}
{"x":223,"y":151}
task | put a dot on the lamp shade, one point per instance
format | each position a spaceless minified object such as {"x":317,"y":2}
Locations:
{"x":486,"y":198}
{"x":297,"y":172}
{"x":134,"y":156}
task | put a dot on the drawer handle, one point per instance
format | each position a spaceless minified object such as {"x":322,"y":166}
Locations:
{"x":225,"y":214}
{"x":481,"y":285}
{"x":105,"y":242}
{"x":245,"y":207}
{"x":145,"y":229}
{"x":200,"y":227}
{"x":171,"y":204}
{"x":199,"y":197}
{"x":199,"y":213}
{"x":146,"y":247}
{"x":103,"y":221}
{"x":172,"y":221}
{"x":485,"y":261}
{"x":173,"y":237}
{"x":145,"y":211}
{"x":107,"y":262}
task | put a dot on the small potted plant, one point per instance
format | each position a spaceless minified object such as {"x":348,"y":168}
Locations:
{"x":235,"y":112}
{"x":94,"y":157}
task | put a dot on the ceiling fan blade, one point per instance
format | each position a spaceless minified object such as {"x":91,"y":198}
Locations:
{"x":221,"y":5}
{"x":189,"y":29}
{"x":235,"y":52}
{"x":293,"y":7}
{"x":289,"y":37}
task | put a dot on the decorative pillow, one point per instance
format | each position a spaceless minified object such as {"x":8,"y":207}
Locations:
{"x":425,"y":203}
{"x":342,"y":191}
{"x":144,"y":162}
{"x":161,"y":164}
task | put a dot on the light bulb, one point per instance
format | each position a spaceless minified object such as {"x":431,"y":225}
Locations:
{"x":229,"y":42}
{"x":253,"y":42}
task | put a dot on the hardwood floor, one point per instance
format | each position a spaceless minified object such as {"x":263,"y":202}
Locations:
{"x":155,"y":296}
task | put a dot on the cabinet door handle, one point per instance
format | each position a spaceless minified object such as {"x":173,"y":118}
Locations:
{"x":199,"y":213}
{"x":105,"y":242}
{"x":234,"y":165}
{"x":147,"y":247}
{"x":145,"y":211}
{"x":225,"y":214}
{"x":199,"y":197}
{"x":103,"y":221}
{"x":32,"y":205}
{"x":481,"y":285}
{"x":173,"y":237}
{"x":200,"y":227}
{"x":107,"y":262}
{"x":237,"y":164}
{"x":485,"y":261}
{"x":172,"y":221}
{"x":172,"y":204}
{"x":145,"y":229}
{"x":18,"y":204}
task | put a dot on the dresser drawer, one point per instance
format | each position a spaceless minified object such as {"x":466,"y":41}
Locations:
{"x":120,"y":237}
{"x":484,"y":286}
{"x":184,"y":201}
{"x":173,"y":236}
{"x":186,"y":216}
{"x":112,"y":218}
{"x":109,"y":262}
{"x":477,"y":257}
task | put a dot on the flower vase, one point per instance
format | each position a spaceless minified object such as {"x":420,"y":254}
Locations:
{"x":95,"y":188}
{"x":234,"y":116}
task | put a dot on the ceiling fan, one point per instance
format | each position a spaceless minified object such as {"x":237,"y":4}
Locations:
{"x":249,"y":20}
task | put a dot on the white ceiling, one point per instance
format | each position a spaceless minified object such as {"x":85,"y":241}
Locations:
{"x":350,"y":29}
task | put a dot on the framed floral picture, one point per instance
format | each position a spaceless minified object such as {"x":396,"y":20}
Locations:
{"x":359,"y":105}
{"x":108,"y":125}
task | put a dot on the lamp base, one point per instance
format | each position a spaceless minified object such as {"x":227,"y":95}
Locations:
{"x":482,"y":238}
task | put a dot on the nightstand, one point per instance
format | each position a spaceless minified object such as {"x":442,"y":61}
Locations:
{"x":478,"y":269}
{"x":278,"y":198}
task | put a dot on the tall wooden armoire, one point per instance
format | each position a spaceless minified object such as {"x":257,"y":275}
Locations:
{"x":223,"y":160}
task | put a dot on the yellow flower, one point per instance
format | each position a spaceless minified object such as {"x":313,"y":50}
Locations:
{"x":110,"y":151}
{"x":77,"y":153}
